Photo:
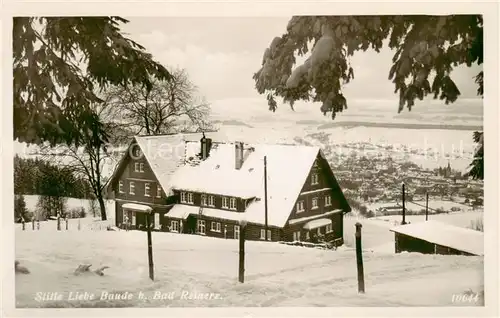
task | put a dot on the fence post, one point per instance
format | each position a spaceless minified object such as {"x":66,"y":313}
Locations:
{"x":24,"y":224}
{"x":150,"y":246}
{"x":359,"y":259}
{"x":33,"y":224}
{"x":79,"y":225}
{"x":38,"y":224}
{"x":67,"y":220}
{"x":58,"y":223}
{"x":241,"y":267}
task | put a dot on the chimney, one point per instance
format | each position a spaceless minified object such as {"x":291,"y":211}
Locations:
{"x":238,"y":158}
{"x":206,"y":144}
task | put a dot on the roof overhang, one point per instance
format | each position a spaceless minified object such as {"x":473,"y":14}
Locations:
{"x":314,"y":224}
{"x":180,"y":211}
{"x":137,"y":207}
{"x":314,"y":217}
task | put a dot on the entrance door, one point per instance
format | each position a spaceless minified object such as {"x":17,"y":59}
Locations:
{"x":133,"y":218}
{"x":191,"y":224}
{"x":157,"y":221}
{"x":296,"y":236}
{"x":236,"y":231}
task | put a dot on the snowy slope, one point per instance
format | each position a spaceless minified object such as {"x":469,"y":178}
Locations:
{"x":276,"y":275}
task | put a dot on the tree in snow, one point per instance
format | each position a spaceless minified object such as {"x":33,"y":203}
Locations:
{"x":90,"y":159}
{"x":28,"y":175}
{"x":169,"y":106}
{"x":427,"y":48}
{"x":53,"y":192}
{"x":20,"y":211}
{"x":58,"y":63}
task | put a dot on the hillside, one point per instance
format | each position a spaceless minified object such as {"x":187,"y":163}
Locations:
{"x":276,"y":275}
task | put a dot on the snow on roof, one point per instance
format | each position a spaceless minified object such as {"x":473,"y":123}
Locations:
{"x":287,"y":170}
{"x":458,"y":238}
{"x":165,"y":153}
{"x":316,"y":223}
{"x":313,"y":217}
{"x":137,"y":207}
{"x":179,"y":211}
{"x":182,"y":211}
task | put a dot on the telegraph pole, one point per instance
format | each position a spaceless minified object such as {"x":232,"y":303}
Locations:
{"x":404,"y":208}
{"x":427,"y":206}
{"x":265,"y":195}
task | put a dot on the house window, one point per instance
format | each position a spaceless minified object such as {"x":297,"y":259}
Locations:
{"x":211,"y":200}
{"x":136,"y":167}
{"x":308,"y":237}
{"x":186,"y":197}
{"x":328,"y":228}
{"x":132,"y":187}
{"x":137,"y":152}
{"x":319,"y":231}
{"x":215,"y":227}
{"x":314,"y":203}
{"x":141,"y":167}
{"x":236,"y":231}
{"x":174,"y":226}
{"x":314,"y":179}
{"x":232,"y":203}
{"x":263,"y":234}
{"x":225,"y":202}
{"x":296,"y":236}
{"x":158,"y":191}
{"x":328,"y":200}
{"x":204,"y":200}
{"x":201,"y":226}
{"x":120,"y":186}
{"x":147,"y":189}
{"x":300,"y":206}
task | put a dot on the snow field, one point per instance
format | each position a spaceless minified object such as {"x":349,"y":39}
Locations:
{"x":276,"y":274}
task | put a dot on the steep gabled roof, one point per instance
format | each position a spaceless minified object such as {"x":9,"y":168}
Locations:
{"x":164,"y":153}
{"x":287,"y":169}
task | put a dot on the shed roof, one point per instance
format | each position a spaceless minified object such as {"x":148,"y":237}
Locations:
{"x":458,"y":238}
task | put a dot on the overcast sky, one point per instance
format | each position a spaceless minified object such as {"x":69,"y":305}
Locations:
{"x":222,"y":54}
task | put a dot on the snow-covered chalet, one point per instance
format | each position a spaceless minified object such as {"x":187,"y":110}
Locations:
{"x":206,"y":185}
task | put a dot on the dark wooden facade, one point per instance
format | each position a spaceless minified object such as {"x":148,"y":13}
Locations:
{"x":326,"y":186}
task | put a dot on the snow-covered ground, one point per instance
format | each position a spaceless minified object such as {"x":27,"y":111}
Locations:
{"x":461,"y":219}
{"x":276,"y":274}
{"x":71,"y":203}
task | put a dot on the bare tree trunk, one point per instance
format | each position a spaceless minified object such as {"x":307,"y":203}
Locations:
{"x":102,"y":207}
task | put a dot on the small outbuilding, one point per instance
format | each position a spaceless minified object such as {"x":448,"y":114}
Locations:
{"x":432,"y":237}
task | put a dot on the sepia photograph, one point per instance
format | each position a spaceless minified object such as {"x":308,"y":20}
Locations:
{"x":226,"y":161}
